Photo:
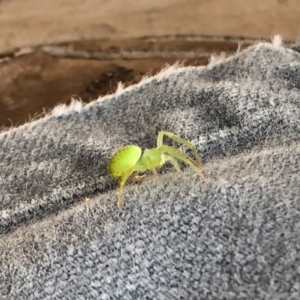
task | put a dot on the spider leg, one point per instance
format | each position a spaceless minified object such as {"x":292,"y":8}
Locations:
{"x":173,"y":162}
{"x":127,"y":174}
{"x":121,"y":184}
{"x":180,"y":140}
{"x":175,"y":153}
{"x":149,"y":166}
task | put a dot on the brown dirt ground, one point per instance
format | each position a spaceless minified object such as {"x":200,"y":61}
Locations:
{"x":36,"y":22}
{"x":63,"y":49}
{"x":35,"y":82}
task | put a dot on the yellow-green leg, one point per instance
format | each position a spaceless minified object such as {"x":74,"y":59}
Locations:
{"x":180,"y":140}
{"x":121,"y":184}
{"x":175,"y":153}
{"x":174,"y":163}
{"x":150,"y":167}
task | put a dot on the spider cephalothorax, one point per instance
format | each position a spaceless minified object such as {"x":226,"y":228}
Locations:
{"x":130,"y":159}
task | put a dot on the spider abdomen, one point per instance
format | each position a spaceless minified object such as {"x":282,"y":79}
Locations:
{"x":123,"y":160}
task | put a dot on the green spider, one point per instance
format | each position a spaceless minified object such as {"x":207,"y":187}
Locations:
{"x":130,"y":159}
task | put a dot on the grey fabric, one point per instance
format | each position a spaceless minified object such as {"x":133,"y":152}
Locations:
{"x":235,"y":236}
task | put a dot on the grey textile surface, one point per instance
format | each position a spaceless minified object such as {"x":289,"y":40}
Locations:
{"x":235,"y":236}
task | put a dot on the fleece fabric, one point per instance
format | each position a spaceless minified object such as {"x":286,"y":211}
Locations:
{"x":234,"y":236}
